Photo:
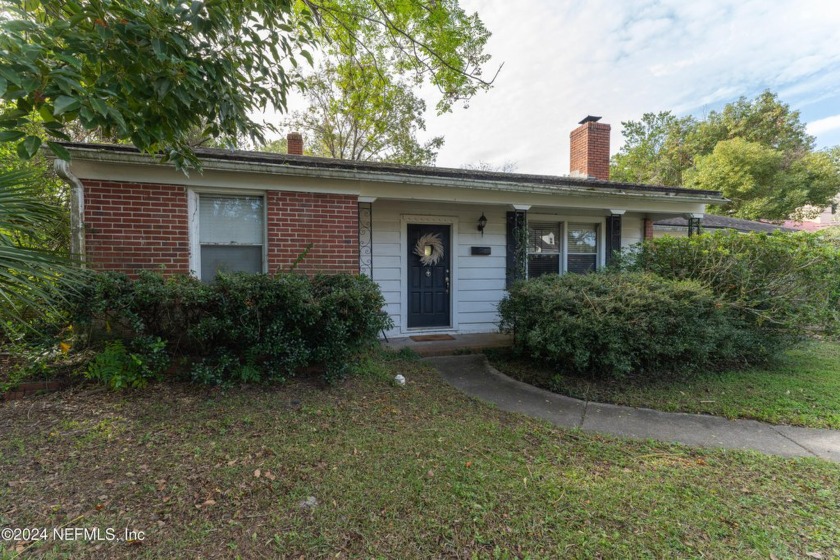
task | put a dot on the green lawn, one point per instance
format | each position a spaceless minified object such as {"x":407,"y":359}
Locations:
{"x":414,"y":472}
{"x":802,"y":390}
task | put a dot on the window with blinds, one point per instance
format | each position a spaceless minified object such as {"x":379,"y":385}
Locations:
{"x":546,"y":251}
{"x":231,"y":231}
{"x":543,"y":249}
{"x":582,"y":248}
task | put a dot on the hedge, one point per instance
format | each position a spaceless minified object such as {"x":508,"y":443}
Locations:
{"x":781,"y":284}
{"x":621,"y":323}
{"x":240,"y":327}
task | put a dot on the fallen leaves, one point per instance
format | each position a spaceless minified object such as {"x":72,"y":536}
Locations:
{"x":265,"y":474}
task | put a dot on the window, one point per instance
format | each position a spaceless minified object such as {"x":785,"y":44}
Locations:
{"x":582,"y":248}
{"x":230,"y":234}
{"x":543,"y":249}
{"x":546,"y":252}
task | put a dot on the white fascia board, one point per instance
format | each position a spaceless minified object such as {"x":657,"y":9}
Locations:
{"x":103,"y":165}
{"x":599,"y":202}
{"x":149,"y":172}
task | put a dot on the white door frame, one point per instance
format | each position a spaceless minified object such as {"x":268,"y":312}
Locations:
{"x":452,"y":222}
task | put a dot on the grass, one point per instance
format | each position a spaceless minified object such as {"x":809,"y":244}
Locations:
{"x":803,"y":389}
{"x":418,"y":471}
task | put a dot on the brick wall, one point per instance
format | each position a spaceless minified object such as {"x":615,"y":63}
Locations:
{"x":648,"y":229}
{"x":129,"y":227}
{"x":329,"y":221}
{"x":590,"y":150}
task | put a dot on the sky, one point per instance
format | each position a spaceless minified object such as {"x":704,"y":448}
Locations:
{"x":618,"y":59}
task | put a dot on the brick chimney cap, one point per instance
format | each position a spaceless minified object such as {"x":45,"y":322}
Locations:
{"x":590,"y":118}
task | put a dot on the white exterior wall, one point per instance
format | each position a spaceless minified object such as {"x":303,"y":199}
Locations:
{"x":477,"y":282}
{"x":632,"y":230}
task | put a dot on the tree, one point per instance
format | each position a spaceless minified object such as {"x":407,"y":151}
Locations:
{"x":655,"y":151}
{"x":753,"y":178}
{"x":765,"y":120}
{"x":46,"y":187}
{"x":756,"y":152}
{"x":152,"y":72}
{"x":357,"y":112}
{"x":279,"y":146}
{"x":28,"y":273}
{"x":507,"y":166}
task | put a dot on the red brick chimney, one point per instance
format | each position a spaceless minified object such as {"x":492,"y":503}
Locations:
{"x":294,"y":141}
{"x":590,"y":149}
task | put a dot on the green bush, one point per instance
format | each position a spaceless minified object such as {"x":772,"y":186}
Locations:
{"x":615,"y":324}
{"x":241,"y":327}
{"x":119,"y":368}
{"x":780,"y":285}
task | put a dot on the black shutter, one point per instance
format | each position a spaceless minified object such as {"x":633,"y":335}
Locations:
{"x":513,"y":268}
{"x":613,"y":235}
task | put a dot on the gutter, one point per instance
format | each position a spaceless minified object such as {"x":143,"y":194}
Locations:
{"x":77,"y":209}
{"x":289,"y":169}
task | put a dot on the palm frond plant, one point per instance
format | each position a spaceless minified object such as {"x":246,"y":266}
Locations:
{"x":33,"y":281}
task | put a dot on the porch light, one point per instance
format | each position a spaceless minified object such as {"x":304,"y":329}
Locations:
{"x":482,"y":221}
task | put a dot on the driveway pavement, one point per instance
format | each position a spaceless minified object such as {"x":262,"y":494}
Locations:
{"x":473,"y":375}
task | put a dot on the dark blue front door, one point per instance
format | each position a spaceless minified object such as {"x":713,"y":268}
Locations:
{"x":429,"y":266}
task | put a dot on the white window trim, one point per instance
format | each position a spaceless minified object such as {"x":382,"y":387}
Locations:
{"x":192,"y":209}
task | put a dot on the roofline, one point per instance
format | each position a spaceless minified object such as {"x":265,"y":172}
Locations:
{"x":307,"y":166}
{"x":712,"y":221}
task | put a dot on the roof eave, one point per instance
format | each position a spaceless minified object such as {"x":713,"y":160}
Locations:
{"x":403,"y":177}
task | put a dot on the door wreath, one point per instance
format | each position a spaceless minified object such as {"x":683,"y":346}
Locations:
{"x":429,"y":248}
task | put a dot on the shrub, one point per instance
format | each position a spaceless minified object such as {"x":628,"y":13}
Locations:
{"x":120,"y":368}
{"x":241,"y":327}
{"x":350,"y":317}
{"x":615,"y":324}
{"x":780,"y":285}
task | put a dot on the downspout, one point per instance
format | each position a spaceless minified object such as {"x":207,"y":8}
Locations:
{"x":77,"y":209}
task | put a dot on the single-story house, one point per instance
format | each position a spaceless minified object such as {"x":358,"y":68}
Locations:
{"x":680,"y":226}
{"x":443,"y":244}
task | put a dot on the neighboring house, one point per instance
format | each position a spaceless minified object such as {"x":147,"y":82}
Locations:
{"x":443,"y":244}
{"x":829,"y":217}
{"x":679,"y":226}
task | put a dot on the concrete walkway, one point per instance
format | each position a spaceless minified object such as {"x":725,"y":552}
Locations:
{"x":473,"y":375}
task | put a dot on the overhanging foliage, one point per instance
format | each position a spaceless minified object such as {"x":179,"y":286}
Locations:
{"x":151,"y":73}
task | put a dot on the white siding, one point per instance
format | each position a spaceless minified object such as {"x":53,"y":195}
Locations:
{"x":478,"y":281}
{"x":632,"y":230}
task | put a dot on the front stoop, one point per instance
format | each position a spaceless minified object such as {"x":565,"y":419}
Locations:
{"x":460,"y":344}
